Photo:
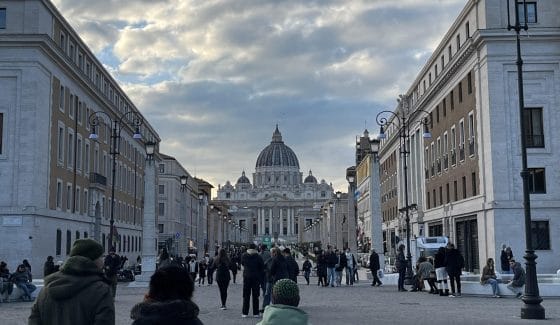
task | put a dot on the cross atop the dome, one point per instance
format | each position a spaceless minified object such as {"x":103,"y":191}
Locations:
{"x":276,"y":136}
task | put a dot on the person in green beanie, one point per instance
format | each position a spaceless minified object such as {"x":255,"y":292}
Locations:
{"x":284,"y":308}
{"x":78,"y":293}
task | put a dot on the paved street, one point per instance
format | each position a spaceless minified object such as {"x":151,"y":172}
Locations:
{"x":360,"y":304}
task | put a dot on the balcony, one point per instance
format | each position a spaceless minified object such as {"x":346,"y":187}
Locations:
{"x":97,"y":181}
{"x":445,"y":162}
{"x":471,"y":147}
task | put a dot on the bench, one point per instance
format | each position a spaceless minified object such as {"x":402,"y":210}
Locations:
{"x":17,"y":293}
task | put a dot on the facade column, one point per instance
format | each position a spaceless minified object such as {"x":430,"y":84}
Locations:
{"x":289,"y":232}
{"x":149,"y":239}
{"x":281,"y":218}
{"x":259,"y":224}
{"x":270,"y":231}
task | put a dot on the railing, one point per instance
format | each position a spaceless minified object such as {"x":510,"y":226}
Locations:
{"x":95,"y":178}
{"x":445,"y":162}
{"x":461,"y":153}
{"x":535,"y":140}
{"x":471,"y":147}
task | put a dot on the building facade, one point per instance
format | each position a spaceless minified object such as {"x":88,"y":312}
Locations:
{"x":465,"y":180}
{"x":278,"y":203}
{"x":57,"y":181}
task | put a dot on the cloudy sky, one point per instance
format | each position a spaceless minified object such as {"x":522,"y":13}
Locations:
{"x":214,"y":77}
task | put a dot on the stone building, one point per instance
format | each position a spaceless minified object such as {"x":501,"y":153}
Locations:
{"x":465,"y":180}
{"x":278,"y":202}
{"x":57,"y":181}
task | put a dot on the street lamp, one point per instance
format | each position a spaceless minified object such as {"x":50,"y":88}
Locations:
{"x":402,"y":122}
{"x":183,"y":180}
{"x":130,"y":119}
{"x":532,"y":308}
{"x":353,"y":209}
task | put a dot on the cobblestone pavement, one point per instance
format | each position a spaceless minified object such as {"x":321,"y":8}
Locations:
{"x":360,"y":304}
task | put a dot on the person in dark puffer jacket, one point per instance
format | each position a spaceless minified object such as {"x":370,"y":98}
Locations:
{"x":253,"y":269}
{"x":168,"y":301}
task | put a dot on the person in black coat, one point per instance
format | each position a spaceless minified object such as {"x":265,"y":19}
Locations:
{"x":221,"y":262}
{"x":253,"y":269}
{"x":293,"y":267}
{"x":331,"y":260}
{"x":278,"y":267}
{"x":49,"y":267}
{"x":306,"y":269}
{"x":374,"y":267}
{"x":401,"y":264}
{"x":454,"y":265}
{"x":322,"y":269}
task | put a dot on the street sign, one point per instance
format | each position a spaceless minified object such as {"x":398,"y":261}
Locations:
{"x":178,"y":235}
{"x":266,"y":240}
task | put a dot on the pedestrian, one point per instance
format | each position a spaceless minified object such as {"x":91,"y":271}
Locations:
{"x":233,"y":266}
{"x":506,"y":256}
{"x":293,"y":267}
{"x":400,"y":264}
{"x":222,"y":275}
{"x":374,"y":268}
{"x":454,"y":265}
{"x":284,"y":309}
{"x":22,"y":279}
{"x":6,"y":285}
{"x":425,"y":269}
{"x":441,"y":272}
{"x":278,"y":266}
{"x":331,"y":261}
{"x":266,"y":282}
{"x":169,"y":300}
{"x":192,"y":267}
{"x":322,"y":269}
{"x":516,"y":284}
{"x":111,"y":267}
{"x":202,"y":266}
{"x":79,"y":293}
{"x":253,"y":269}
{"x":28,"y":267}
{"x":307,"y":266}
{"x":49,"y":267}
{"x":489,"y":277}
{"x":211,"y":269}
{"x":350,"y":265}
{"x":340,"y":265}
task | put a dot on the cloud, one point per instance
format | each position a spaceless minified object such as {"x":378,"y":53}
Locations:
{"x":214,"y":77}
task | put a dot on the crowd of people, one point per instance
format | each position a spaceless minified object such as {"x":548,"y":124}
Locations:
{"x":21,"y":279}
{"x":331,"y":263}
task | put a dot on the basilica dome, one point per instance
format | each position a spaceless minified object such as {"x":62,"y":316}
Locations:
{"x":277,"y":154}
{"x":243,"y":179}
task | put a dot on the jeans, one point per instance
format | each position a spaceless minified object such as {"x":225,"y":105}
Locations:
{"x":375,"y":278}
{"x":250,"y":288}
{"x":402,"y":273}
{"x":455,"y":278}
{"x":331,"y":276}
{"x":266,"y":294}
{"x":306,"y":275}
{"x":210,"y":276}
{"x":27,"y":288}
{"x":494,"y":284}
{"x":6,"y":285}
{"x":349,"y":275}
{"x":338,"y":277}
{"x":516,"y":290}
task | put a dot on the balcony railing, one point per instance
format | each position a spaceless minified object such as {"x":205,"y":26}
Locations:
{"x":535,"y":140}
{"x":453,"y":157}
{"x":471,"y":147}
{"x":461,"y":153}
{"x":97,"y":179}
{"x":445,"y":162}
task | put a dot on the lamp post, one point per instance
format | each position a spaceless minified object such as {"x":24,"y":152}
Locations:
{"x":183,"y":179}
{"x":402,"y":122}
{"x":130,"y":119}
{"x":532,"y":308}
{"x":352,"y":208}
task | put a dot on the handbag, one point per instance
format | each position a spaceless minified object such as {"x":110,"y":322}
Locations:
{"x":380,"y":274}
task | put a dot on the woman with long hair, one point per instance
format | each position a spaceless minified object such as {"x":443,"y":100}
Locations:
{"x":489,"y":277}
{"x":223,"y":277}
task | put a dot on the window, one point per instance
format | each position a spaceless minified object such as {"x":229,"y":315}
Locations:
{"x":462,"y":134}
{"x":70,"y":151}
{"x":442,"y":62}
{"x":228,"y":195}
{"x":161,"y":189}
{"x":86,"y":202}
{"x":437,"y":114}
{"x":540,"y":235}
{"x":424,"y":85}
{"x":68,"y":197}
{"x":71,"y":52}
{"x":467,"y":30}
{"x":455,"y":191}
{"x":428,"y":199}
{"x":430,"y":78}
{"x":68,"y":241}
{"x":473,"y":185}
{"x":161,"y":168}
{"x":79,"y":154}
{"x":451,"y":100}
{"x":464,"y":183}
{"x":453,"y":138}
{"x":447,"y":194}
{"x":533,"y":120}
{"x":161,"y":209}
{"x":160,"y":228}
{"x":62,"y":42}
{"x":434,"y":198}
{"x":449,"y":52}
{"x":58,"y":242}
{"x":2,"y":18}
{"x":460,"y":92}
{"x":86,"y":159}
{"x":531,"y":12}
{"x":1,"y":131}
{"x":77,"y":234}
{"x":61,"y":99}
{"x":469,"y":83}
{"x":77,"y":207}
{"x":435,"y":71}
{"x":471,"y":127}
{"x":444,"y":107}
{"x":537,"y":181}
{"x":458,"y":41}
{"x":440,"y":195}
{"x":59,"y":194}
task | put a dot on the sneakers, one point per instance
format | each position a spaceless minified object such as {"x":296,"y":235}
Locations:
{"x":244,"y":316}
{"x":496,"y":296}
{"x":519,"y":295}
{"x":223,"y":308}
{"x":257,"y":316}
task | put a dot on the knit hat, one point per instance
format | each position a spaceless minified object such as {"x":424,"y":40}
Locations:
{"x":285,"y":292}
{"x":87,"y":248}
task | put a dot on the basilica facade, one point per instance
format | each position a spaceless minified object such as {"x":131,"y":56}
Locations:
{"x":278,"y":202}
